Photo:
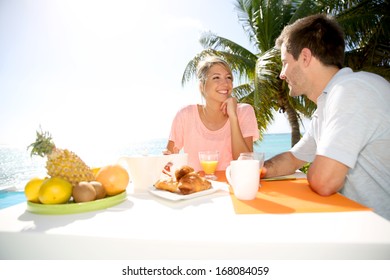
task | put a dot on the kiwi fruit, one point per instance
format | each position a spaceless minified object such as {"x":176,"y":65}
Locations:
{"x":100,"y":190}
{"x":84,"y":192}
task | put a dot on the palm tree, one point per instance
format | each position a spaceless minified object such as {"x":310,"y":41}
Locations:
{"x":366,"y":24}
{"x":264,"y":20}
{"x":367,"y":36}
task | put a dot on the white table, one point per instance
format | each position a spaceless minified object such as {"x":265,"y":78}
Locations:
{"x":147,"y":227}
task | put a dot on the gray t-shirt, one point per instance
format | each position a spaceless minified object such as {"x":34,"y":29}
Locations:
{"x":352,"y":125}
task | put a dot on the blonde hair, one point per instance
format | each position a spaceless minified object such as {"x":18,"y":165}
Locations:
{"x":205,"y":65}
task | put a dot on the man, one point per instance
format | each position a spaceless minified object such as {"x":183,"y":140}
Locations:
{"x":348,"y":142}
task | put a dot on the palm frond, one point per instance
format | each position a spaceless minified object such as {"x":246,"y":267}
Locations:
{"x":242,"y":67}
{"x":210,"y":40}
{"x":244,"y":93}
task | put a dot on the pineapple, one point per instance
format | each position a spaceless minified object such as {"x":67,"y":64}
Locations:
{"x":61,"y":163}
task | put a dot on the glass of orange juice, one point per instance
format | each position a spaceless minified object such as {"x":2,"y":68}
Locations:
{"x":209,"y":161}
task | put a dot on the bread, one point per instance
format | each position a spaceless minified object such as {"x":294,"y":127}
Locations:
{"x":186,"y":181}
{"x":167,"y":185}
{"x":192,"y":182}
{"x":179,"y":173}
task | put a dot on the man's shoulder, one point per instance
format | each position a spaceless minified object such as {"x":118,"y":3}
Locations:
{"x":347,"y":74}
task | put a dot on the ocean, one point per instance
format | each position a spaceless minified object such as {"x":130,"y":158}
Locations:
{"x":17,"y":167}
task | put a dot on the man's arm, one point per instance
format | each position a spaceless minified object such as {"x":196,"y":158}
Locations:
{"x":326,"y":176}
{"x":282,"y":164}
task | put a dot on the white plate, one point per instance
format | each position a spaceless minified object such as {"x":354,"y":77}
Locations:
{"x":177,"y":196}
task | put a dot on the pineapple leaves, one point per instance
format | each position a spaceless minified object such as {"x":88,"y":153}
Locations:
{"x":43,"y":144}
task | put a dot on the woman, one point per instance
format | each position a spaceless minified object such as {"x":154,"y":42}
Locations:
{"x":220,"y":124}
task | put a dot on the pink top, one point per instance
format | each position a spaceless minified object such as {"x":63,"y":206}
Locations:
{"x":190,"y":134}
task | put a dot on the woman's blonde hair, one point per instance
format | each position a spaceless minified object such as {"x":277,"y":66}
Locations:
{"x":205,"y":65}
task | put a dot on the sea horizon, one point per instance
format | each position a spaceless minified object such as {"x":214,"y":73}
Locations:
{"x":17,"y":166}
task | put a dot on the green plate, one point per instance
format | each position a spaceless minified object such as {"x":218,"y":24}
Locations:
{"x":72,"y":207}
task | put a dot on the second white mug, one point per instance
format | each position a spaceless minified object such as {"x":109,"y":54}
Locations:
{"x":244,"y":177}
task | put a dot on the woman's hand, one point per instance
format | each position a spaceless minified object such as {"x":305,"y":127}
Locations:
{"x":170,"y":149}
{"x":229,"y":107}
{"x":263,"y":172}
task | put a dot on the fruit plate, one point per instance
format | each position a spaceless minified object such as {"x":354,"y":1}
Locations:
{"x":177,"y":196}
{"x":73,"y":208}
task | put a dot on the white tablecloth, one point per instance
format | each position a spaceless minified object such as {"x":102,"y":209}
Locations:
{"x":148,"y":227}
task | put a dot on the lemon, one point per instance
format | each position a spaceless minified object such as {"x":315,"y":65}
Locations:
{"x":31,"y":190}
{"x":95,"y":170}
{"x":55,"y":191}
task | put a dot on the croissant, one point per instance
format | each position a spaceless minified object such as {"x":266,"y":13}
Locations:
{"x":192,"y":182}
{"x":179,"y":173}
{"x":186,"y":181}
{"x":167,"y":185}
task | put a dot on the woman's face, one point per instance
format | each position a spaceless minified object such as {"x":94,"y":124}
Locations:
{"x":218,"y":85}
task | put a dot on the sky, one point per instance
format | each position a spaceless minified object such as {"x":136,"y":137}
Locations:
{"x":103,"y":73}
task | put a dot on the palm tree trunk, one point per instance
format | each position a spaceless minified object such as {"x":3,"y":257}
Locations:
{"x":294,"y":124}
{"x":292,"y":115}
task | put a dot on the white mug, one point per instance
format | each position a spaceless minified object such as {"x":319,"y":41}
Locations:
{"x":253,"y":155}
{"x":244,"y":177}
{"x":260,"y":156}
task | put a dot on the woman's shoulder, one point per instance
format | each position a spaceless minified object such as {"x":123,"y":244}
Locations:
{"x":244,"y":107}
{"x":188,"y":109}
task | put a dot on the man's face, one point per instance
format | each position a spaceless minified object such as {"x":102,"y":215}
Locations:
{"x":292,"y":73}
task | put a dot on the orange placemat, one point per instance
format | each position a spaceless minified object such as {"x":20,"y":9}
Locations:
{"x":293,"y":196}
